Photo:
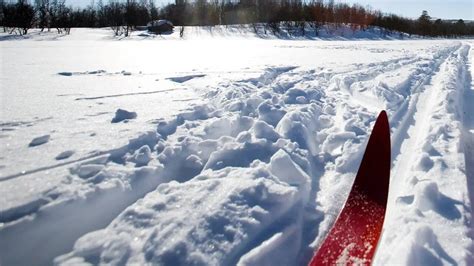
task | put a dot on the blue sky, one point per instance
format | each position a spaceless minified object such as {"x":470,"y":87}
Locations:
{"x":446,"y":9}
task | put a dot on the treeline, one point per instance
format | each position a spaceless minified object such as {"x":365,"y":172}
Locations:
{"x":424,"y":26}
{"x":122,"y":16}
{"x":299,"y":15}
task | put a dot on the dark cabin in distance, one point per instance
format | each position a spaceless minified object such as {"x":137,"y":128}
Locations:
{"x":160,"y":26}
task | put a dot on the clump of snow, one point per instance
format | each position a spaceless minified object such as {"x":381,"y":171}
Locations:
{"x":426,"y":196}
{"x":286,"y":170}
{"x":141,"y":156}
{"x":123,"y":115}
{"x":185,"y":78}
{"x":263,"y":130}
{"x":64,"y":155}
{"x":39,"y":140}
{"x":88,"y":170}
{"x":95,"y":72}
{"x":270,"y":113}
{"x":67,"y":74}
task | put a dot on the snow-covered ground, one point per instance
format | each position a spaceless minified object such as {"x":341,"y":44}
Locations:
{"x":225,"y":148}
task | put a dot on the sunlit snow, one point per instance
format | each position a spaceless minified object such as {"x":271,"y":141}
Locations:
{"x":224,"y":148}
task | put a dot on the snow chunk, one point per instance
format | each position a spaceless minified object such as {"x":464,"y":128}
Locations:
{"x":334,"y":142}
{"x":286,"y":170}
{"x":241,"y":154}
{"x":67,"y":74}
{"x":39,"y":141}
{"x":295,"y":95}
{"x":300,"y":126}
{"x":270,"y":113}
{"x":183,"y":79}
{"x":89,"y":170}
{"x":64,"y":155}
{"x":264,"y":131}
{"x":141,"y":156}
{"x":301,"y":100}
{"x":426,"y":196}
{"x":283,"y":167}
{"x":121,"y":115}
{"x":227,"y":126}
{"x":114,"y":249}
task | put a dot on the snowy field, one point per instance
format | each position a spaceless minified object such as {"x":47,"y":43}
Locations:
{"x":234,"y":149}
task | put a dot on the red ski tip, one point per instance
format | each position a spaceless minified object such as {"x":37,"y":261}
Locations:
{"x":354,"y":237}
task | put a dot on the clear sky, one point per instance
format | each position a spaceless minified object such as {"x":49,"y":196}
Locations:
{"x":446,"y":9}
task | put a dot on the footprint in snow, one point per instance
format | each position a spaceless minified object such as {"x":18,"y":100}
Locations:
{"x":39,"y":141}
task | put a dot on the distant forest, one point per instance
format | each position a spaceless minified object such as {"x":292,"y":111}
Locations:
{"x":17,"y":17}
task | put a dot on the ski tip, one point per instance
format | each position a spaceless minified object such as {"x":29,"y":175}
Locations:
{"x":382,"y":124}
{"x":383,"y":116}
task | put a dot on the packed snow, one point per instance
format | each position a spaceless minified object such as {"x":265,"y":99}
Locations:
{"x":228,"y":148}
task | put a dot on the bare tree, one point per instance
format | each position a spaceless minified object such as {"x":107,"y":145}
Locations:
{"x":42,"y":9}
{"x":21,"y":16}
{"x":2,"y":15}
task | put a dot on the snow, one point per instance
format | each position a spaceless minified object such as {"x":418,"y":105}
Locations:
{"x":123,"y":115}
{"x":230,"y":148}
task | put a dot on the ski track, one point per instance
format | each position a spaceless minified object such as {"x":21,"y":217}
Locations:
{"x":414,"y":122}
{"x":468,"y":139}
{"x":404,"y":117}
{"x":415,"y":153}
{"x":109,"y":189}
{"x":412,"y":85}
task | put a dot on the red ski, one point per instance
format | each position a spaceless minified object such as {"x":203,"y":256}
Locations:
{"x":354,"y":237}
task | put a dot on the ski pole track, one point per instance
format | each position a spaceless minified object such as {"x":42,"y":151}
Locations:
{"x":296,"y":108}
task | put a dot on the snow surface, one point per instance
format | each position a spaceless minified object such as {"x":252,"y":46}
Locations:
{"x":242,"y":148}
